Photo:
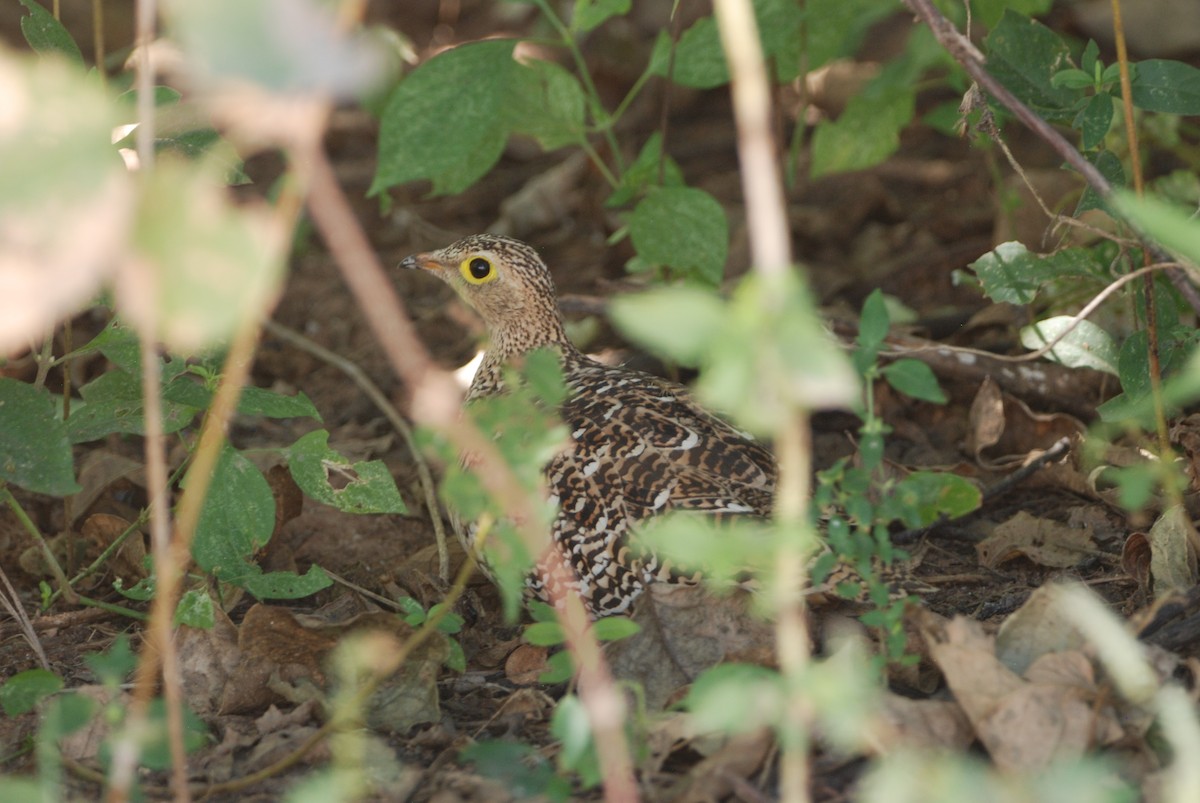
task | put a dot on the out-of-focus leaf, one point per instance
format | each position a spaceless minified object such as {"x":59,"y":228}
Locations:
{"x":286,"y":46}
{"x":66,"y":201}
{"x":204,"y":266}
{"x":1024,"y":55}
{"x":1161,"y":85}
{"x":676,"y":322}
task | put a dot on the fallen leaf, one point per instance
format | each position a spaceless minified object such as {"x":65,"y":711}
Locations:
{"x":1172,"y":553}
{"x":1038,"y":627}
{"x":1044,"y":541}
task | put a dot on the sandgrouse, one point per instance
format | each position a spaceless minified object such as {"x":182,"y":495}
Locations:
{"x":640,"y":446}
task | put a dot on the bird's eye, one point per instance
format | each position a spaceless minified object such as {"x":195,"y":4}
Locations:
{"x":477,"y":270}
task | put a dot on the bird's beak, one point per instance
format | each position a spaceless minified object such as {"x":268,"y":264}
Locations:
{"x":428,"y":262}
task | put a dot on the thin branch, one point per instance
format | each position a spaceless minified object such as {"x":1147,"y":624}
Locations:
{"x":770,"y":247}
{"x":10,"y":600}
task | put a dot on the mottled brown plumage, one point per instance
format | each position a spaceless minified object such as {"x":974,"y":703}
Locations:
{"x":640,"y":446}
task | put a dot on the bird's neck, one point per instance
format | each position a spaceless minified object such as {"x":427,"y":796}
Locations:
{"x":510,"y":345}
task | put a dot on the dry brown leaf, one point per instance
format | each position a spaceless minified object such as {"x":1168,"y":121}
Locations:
{"x":1172,"y":554}
{"x":919,"y":724}
{"x":1038,"y":627}
{"x":1003,"y":426}
{"x":525,"y":664}
{"x":208,"y":659}
{"x":728,"y":769}
{"x":1044,"y":541}
{"x":99,"y":469}
{"x":128,"y":563}
{"x":685,"y":630}
{"x":1135,"y":559}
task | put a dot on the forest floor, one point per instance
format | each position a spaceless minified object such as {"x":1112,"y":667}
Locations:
{"x":906,"y":226}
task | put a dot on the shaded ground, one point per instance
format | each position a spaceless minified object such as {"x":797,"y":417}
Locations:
{"x":904,"y":226}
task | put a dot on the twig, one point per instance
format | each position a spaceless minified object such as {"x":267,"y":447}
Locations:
{"x":11,"y":602}
{"x":436,"y":401}
{"x":60,"y":577}
{"x":770,"y":245}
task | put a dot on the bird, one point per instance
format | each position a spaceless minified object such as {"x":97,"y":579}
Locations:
{"x":640,"y":446}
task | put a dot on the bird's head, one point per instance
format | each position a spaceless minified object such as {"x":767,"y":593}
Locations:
{"x":506,"y":282}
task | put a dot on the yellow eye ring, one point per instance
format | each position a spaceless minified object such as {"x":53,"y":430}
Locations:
{"x":477,"y":270}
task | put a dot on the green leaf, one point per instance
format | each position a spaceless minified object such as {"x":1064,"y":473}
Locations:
{"x":570,"y":725}
{"x":684,"y":229}
{"x":211,"y":264}
{"x":1111,"y":168}
{"x":47,"y":35}
{"x":520,"y":768}
{"x":615,"y":628}
{"x":547,"y":103}
{"x":771,"y":354}
{"x":558,"y":669}
{"x":113,"y":403}
{"x":447,"y":121}
{"x":651,"y":168}
{"x":268,"y":403}
{"x":1094,"y":120}
{"x":1085,"y":346}
{"x":114,"y":666}
{"x":23,"y":691}
{"x":914,"y":378}
{"x":236,"y":521}
{"x":156,"y":752}
{"x":543,"y":374}
{"x":923,"y":497}
{"x":736,"y":698}
{"x":361,"y":487}
{"x":676,"y":322}
{"x":1172,"y":226}
{"x":544,"y":634}
{"x":866,"y":133}
{"x":1012,"y":273}
{"x":195,"y":609}
{"x":1072,"y":78}
{"x":988,"y":12}
{"x":1161,"y":85}
{"x":874,"y":322}
{"x":231,"y":40}
{"x":1024,"y":55}
{"x":590,"y":14}
{"x":35,"y":453}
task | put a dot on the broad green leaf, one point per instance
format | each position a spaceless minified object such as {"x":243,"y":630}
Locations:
{"x":866,"y":133}
{"x":1086,"y":345}
{"x":676,"y":322}
{"x":353,"y":487}
{"x":1094,"y":120}
{"x":558,"y":669}
{"x":589,"y":14}
{"x":35,"y":453}
{"x":1161,"y":85}
{"x":236,"y":521}
{"x":544,"y":375}
{"x":115,"y":665}
{"x":447,"y":121}
{"x":1172,"y":226}
{"x":914,"y":378}
{"x":683,"y":228}
{"x":520,"y":768}
{"x":268,"y":403}
{"x":989,"y":12}
{"x":1072,"y":78}
{"x":47,"y":35}
{"x":112,"y":402}
{"x":156,"y":751}
{"x":547,"y":103}
{"x":651,"y":168}
{"x":577,"y":752}
{"x":24,"y":690}
{"x":1012,"y":273}
{"x":1024,"y":55}
{"x":544,"y":634}
{"x":287,"y":46}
